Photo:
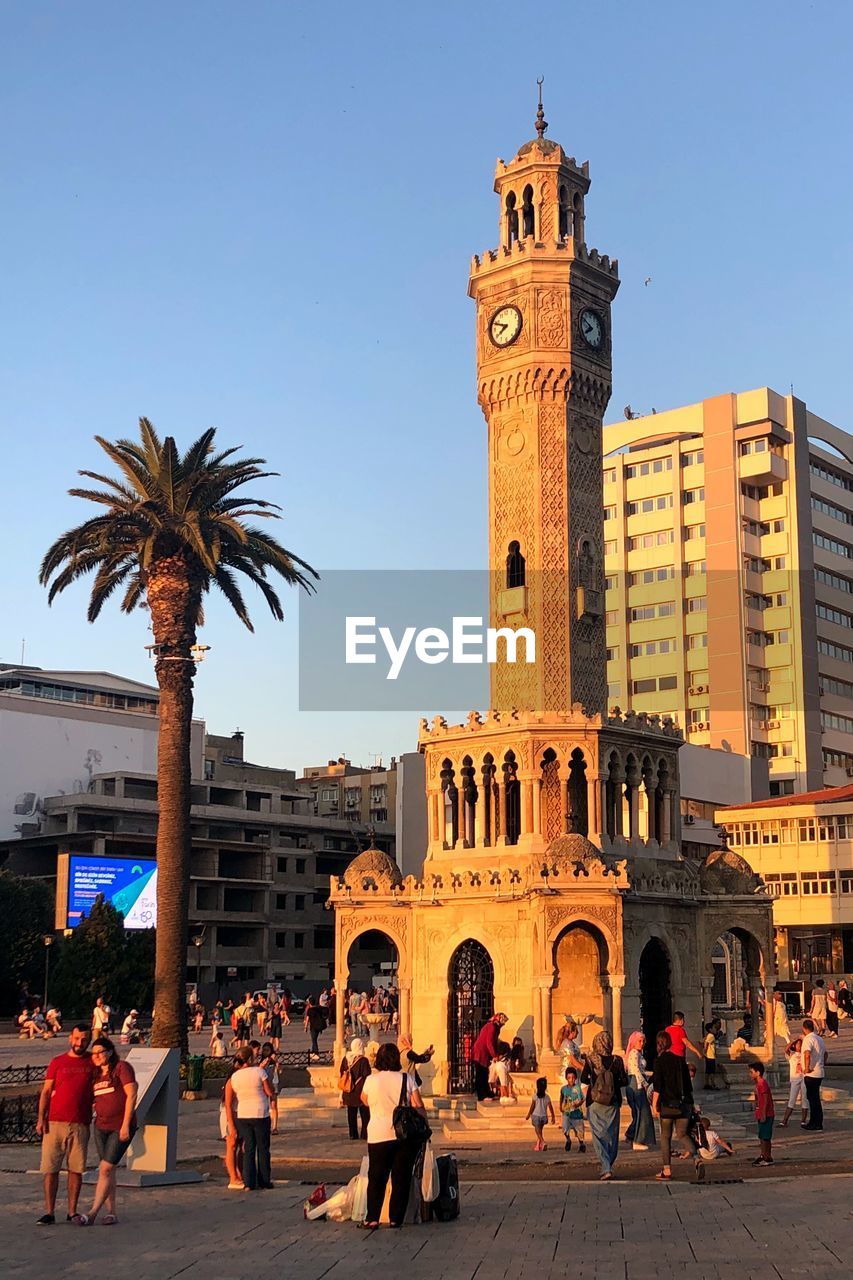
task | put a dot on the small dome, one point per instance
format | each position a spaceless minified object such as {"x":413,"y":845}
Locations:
{"x":373,"y":864}
{"x":573,"y":846}
{"x":545,"y":145}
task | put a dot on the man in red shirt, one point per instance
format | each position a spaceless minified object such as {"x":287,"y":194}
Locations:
{"x":485,"y":1049}
{"x":64,"y":1118}
{"x":678,"y":1036}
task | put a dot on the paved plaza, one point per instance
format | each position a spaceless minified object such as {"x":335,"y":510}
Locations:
{"x":619,"y":1231}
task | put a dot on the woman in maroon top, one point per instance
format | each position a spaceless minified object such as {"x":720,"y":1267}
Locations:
{"x":115,"y":1090}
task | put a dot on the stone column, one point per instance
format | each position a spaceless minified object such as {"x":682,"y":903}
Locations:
{"x":595,"y":810}
{"x":769,"y":1022}
{"x":754,"y":984}
{"x":665,"y":834}
{"x":435,"y":833}
{"x":538,"y":1037}
{"x":617,"y":982}
{"x":707,"y":985}
{"x":479,"y":817}
{"x":502,"y":807}
{"x":340,"y":987}
{"x":633,"y":811}
{"x":537,"y":805}
{"x":526,"y":806}
{"x":404,"y":995}
{"x":565,"y":808}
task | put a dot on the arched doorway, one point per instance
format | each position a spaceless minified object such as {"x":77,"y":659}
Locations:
{"x":372,"y":963}
{"x":655,"y":992}
{"x":736,"y":994}
{"x":580,"y":961}
{"x":470,"y":1003}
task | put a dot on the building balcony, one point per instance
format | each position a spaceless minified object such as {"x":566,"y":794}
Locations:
{"x":763,"y":468}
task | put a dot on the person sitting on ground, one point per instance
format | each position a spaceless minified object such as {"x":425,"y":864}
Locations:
{"x":713,"y":1147}
{"x":517,"y":1055}
{"x":34,"y":1026}
{"x":216,"y":1048}
{"x":53,"y":1017}
{"x":129,"y":1028}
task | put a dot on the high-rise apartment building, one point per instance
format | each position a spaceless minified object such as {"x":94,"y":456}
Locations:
{"x":729,"y":580}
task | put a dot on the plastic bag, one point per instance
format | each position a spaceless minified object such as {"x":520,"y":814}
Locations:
{"x":359,"y":1199}
{"x":429,"y":1178}
{"x":314,"y":1205}
{"x":339,"y":1206}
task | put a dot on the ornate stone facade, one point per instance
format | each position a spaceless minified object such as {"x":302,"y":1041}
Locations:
{"x":554,"y":881}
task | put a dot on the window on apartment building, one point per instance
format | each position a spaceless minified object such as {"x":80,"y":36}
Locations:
{"x":697,"y":604}
{"x":838,"y":651}
{"x":698,"y":641}
{"x":830,"y":509}
{"x":693,"y":457}
{"x":693,"y":495}
{"x":840,"y":688}
{"x":754,"y":491}
{"x":281,"y":940}
{"x":644,"y":686}
{"x":817,"y":882}
{"x":837,"y":759}
{"x":281,"y":866}
{"x":829,"y":720}
{"x":832,"y":544}
{"x":694,"y":567}
{"x":654,"y":467}
{"x":647,"y":576}
{"x":300,"y":866}
{"x":614,"y":690}
{"x":324,"y":939}
{"x":609,"y":513}
{"x":610,"y":548}
{"x":692,"y":531}
{"x":646,"y":612}
{"x":836,"y":580}
{"x":645,"y":505}
{"x":833,"y":477}
{"x":837,"y":616}
{"x":644,"y":541}
{"x":299,"y":941}
{"x":610,"y":582}
{"x":612,"y":654}
{"x":698,"y":715}
{"x":281,"y":902}
{"x":777,"y":526}
{"x":611,"y":617}
{"x":773,"y":881}
{"x":609,"y":476}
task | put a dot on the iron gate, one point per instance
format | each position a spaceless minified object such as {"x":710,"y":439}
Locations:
{"x":471,"y":1002}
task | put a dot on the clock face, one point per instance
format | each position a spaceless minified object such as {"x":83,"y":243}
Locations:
{"x":505,"y":326}
{"x":592,"y":329}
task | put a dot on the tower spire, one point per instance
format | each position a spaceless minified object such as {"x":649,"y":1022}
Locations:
{"x":541,"y":122}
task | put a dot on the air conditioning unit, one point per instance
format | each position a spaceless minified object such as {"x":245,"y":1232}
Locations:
{"x":774,"y":724}
{"x":689,"y":819}
{"x":850,"y":771}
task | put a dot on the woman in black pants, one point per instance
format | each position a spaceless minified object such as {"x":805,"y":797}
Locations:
{"x":356,"y":1066}
{"x":381,"y":1093}
{"x":672,"y":1102}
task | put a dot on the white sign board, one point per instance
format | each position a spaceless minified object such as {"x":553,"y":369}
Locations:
{"x":152,"y":1156}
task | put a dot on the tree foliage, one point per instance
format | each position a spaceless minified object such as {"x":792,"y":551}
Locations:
{"x":26,"y":915}
{"x":102,"y":958}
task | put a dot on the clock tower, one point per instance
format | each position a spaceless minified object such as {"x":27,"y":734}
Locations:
{"x":543,"y":380}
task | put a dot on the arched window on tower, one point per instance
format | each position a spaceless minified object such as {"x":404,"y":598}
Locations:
{"x":527,"y":219}
{"x":577,"y":216}
{"x":511,"y":218}
{"x":565,"y":214}
{"x":515,"y":566}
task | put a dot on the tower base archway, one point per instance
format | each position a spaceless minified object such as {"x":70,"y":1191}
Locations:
{"x":655,"y":992}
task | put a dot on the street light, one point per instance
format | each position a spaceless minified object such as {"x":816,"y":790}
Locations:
{"x":197,"y":941}
{"x":48,"y":943}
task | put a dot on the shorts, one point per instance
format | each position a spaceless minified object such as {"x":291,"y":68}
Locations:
{"x":110,"y":1146}
{"x":765,"y":1130}
{"x":64,"y":1144}
{"x":797,"y":1093}
{"x":710,"y":1066}
{"x":573,"y":1125}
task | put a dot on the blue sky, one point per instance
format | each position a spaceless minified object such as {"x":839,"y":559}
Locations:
{"x":260,"y":217}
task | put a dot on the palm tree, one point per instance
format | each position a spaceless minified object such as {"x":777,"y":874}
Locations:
{"x":172,"y":530}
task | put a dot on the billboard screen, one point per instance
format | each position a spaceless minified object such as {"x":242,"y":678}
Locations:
{"x":129,"y":884}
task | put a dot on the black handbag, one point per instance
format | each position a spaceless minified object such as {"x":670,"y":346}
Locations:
{"x":409,"y":1125}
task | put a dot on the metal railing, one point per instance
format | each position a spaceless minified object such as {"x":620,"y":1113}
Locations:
{"x":22,"y":1075}
{"x":18,"y":1118}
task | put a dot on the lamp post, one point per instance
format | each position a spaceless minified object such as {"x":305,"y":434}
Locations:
{"x":48,"y":943}
{"x":197,"y":941}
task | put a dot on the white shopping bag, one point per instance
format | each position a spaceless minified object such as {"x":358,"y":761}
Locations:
{"x":359,"y":1199}
{"x":429,"y":1178}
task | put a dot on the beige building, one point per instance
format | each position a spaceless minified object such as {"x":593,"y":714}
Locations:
{"x":729,"y":580}
{"x":802,"y":847}
{"x":355,"y":794}
{"x":554,"y":880}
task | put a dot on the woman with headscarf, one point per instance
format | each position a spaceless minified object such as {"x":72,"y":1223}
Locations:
{"x":641,"y":1131}
{"x":356,"y":1068}
{"x":410,"y":1060}
{"x":605,"y":1077}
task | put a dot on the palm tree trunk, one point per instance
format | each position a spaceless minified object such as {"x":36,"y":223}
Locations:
{"x":173,"y":601}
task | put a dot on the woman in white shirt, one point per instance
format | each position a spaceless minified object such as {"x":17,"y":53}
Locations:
{"x":381,"y":1093}
{"x":247,"y":1104}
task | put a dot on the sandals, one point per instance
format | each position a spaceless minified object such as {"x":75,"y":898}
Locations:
{"x":81,"y":1220}
{"x":110,"y":1220}
{"x":367,"y":1226}
{"x":663,"y":1177}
